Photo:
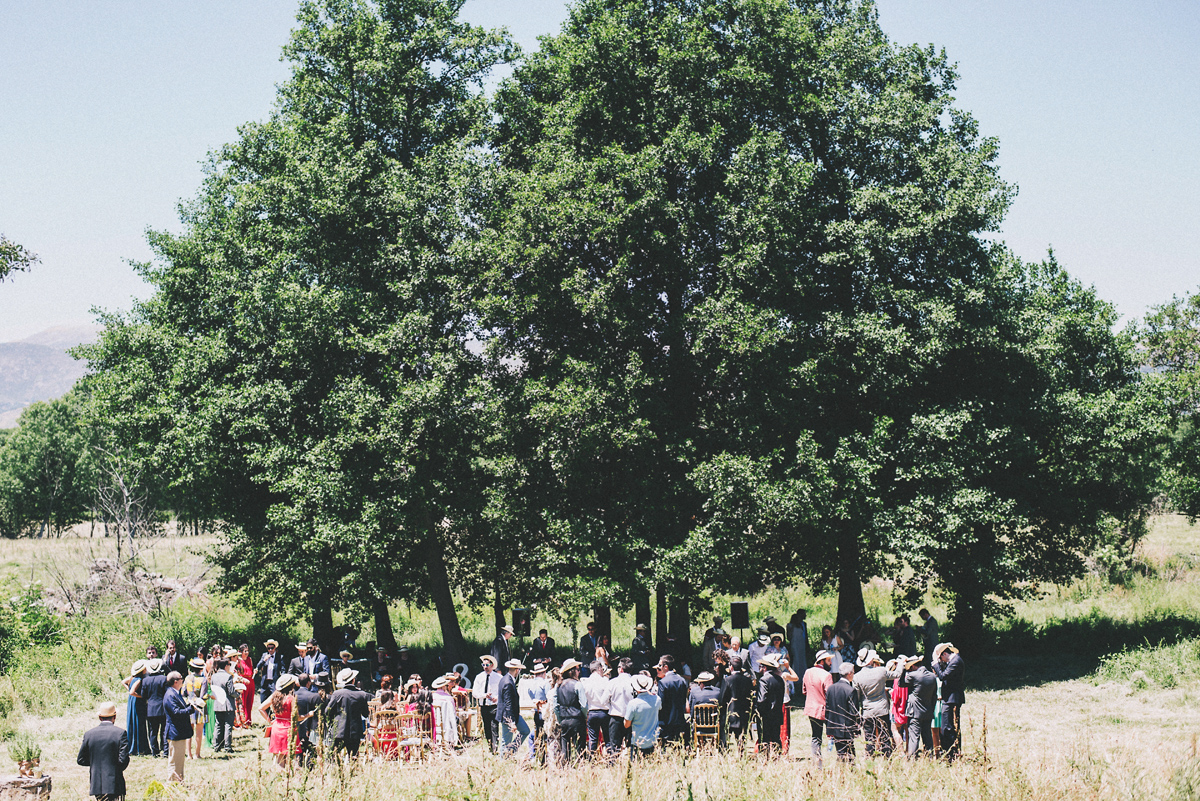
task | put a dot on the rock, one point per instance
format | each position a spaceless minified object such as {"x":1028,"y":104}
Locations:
{"x":21,"y":788}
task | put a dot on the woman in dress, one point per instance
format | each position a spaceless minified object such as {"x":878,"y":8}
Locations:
{"x":210,"y":720}
{"x":195,"y":691}
{"x":245,"y":668}
{"x":135,"y":715}
{"x":833,"y":644}
{"x":278,"y":710}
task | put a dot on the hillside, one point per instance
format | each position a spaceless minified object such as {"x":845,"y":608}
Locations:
{"x":38,"y":368}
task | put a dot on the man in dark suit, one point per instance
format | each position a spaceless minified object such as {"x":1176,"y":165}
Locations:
{"x":922,"y":696}
{"x":673,"y":690}
{"x":172,"y":660}
{"x":345,"y":711}
{"x":588,"y":644}
{"x":154,"y":688}
{"x":315,"y":662}
{"x":640,"y":651}
{"x":842,"y":713}
{"x":949,"y":667}
{"x":768,"y":707}
{"x":105,"y":750}
{"x":514,"y":731}
{"x":299,"y":665}
{"x":500,"y":651}
{"x":268,"y":670}
{"x":179,"y":725}
{"x":542,"y":649}
{"x":308,"y":700}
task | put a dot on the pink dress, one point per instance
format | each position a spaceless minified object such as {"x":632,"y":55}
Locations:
{"x":279,"y":729}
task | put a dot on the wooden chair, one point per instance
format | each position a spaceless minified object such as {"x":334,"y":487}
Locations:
{"x":385,"y":733}
{"x":414,"y":735}
{"x":706,"y":725}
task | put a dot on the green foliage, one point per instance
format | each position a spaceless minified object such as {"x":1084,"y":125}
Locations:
{"x":24,"y":748}
{"x":1162,"y":665}
{"x":14,"y":257}
{"x":25,"y":622}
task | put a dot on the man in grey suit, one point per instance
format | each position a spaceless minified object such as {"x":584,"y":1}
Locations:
{"x":922,"y":696}
{"x":949,"y":667}
{"x":105,"y":750}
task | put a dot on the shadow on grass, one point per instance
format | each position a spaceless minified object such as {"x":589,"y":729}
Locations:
{"x":1024,"y":655}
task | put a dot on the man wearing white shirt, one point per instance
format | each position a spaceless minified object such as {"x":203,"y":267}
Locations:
{"x":621,"y":692}
{"x":598,"y":689}
{"x":221,"y":686}
{"x":486,"y":691}
{"x":536,"y":690}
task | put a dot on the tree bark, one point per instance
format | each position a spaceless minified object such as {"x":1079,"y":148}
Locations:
{"x":850,"y":598}
{"x":681,"y":624}
{"x":602,"y":615}
{"x":642,"y":614}
{"x":322,"y":624}
{"x":384,"y":634}
{"x":454,"y":646}
{"x":498,"y":608}
{"x":660,"y":614}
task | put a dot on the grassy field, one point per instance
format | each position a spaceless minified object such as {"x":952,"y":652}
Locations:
{"x":1096,"y":695}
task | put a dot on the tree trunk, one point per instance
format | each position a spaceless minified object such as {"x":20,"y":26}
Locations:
{"x":642,"y":614}
{"x":850,"y":598}
{"x":498,"y":610}
{"x":384,"y":634}
{"x":603,"y":617}
{"x":322,"y":624}
{"x":967,"y":630}
{"x":660,"y":614}
{"x":681,"y":624}
{"x":454,"y":646}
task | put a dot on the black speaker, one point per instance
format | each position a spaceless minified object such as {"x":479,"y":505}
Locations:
{"x":520,"y":621}
{"x":739,"y":615}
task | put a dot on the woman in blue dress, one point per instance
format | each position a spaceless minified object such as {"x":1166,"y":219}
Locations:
{"x":135,"y":714}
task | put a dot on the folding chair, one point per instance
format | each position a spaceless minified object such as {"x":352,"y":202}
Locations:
{"x":706,"y":725}
{"x":385,"y":733}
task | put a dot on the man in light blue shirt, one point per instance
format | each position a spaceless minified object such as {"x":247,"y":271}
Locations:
{"x":641,"y":718}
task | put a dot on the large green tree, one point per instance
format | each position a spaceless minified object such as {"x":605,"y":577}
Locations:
{"x":303,"y":361}
{"x":724,"y":227}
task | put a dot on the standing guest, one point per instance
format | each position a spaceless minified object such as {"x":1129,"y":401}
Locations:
{"x":929,"y":633}
{"x":841,"y":713}
{"x":872,"y":680}
{"x":486,"y":692}
{"x":949,"y":668}
{"x":173,"y":661}
{"x":151,"y":652}
{"x":224,"y":696}
{"x":245,"y":669}
{"x":154,"y":688}
{"x":735,"y":698}
{"x":797,"y":635}
{"x":345,"y":711}
{"x":711,"y":641}
{"x":735,"y":649}
{"x":500,"y":650}
{"x":195,"y":692}
{"x":299,"y":664}
{"x":404,"y":662}
{"x":777,"y":647}
{"x":514,"y":731}
{"x":895,"y":671}
{"x":769,"y":708}
{"x":640,"y":649}
{"x":673,"y":692}
{"x":619,"y":695}
{"x":832,"y":644}
{"x":772,"y":625}
{"x":599,"y":693}
{"x":642,"y":718}
{"x":381,"y":666}
{"x":279,"y":711}
{"x":758,"y":648}
{"x":315,"y":662}
{"x":105,"y":752}
{"x":570,"y":710}
{"x":588,"y":644}
{"x":179,"y":725}
{"x":308,"y":702}
{"x":542,"y":650}
{"x":790,"y":678}
{"x":135,"y":713}
{"x":268,"y":669}
{"x":817,"y":680}
{"x":922,"y":695}
{"x":906,"y":640}
{"x":535,"y":689}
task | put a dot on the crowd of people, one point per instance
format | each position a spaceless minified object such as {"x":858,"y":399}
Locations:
{"x":590,"y":703}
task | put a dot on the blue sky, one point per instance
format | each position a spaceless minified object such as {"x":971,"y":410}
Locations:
{"x":110,"y":107}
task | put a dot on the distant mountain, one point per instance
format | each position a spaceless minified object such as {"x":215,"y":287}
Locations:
{"x":38,"y":368}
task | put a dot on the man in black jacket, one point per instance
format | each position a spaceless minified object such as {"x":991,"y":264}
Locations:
{"x":640,"y":650}
{"x":514,"y":731}
{"x":345,"y":711}
{"x":769,"y":706}
{"x":842,"y":713}
{"x":154,"y":688}
{"x":542,"y":650}
{"x":736,"y":692}
{"x":922,"y":696}
{"x":500,"y":651}
{"x":105,"y":750}
{"x":268,"y":670}
{"x":172,"y":660}
{"x":308,"y":700}
{"x":948,"y":666}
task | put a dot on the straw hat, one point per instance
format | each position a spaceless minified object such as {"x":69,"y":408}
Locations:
{"x":641,"y":627}
{"x":154,"y":665}
{"x":912,"y":661}
{"x":539,"y":669}
{"x":514,"y":663}
{"x":301,"y":646}
{"x":867,"y":656}
{"x":345,"y":676}
{"x":705,"y":677}
{"x":439,"y":682}
{"x":941,"y":648}
{"x":139,"y":668}
{"x":271,"y":643}
{"x":107,"y":709}
{"x":411,"y":683}
{"x":769,"y":661}
{"x":570,"y":664}
{"x":197,"y":663}
{"x":508,"y":629}
{"x":488,"y":658}
{"x":822,"y":655}
{"x":642,"y":684}
{"x":286,"y":682}
{"x":345,"y":655}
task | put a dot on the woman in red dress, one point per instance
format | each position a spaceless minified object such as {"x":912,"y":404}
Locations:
{"x":278,"y":709}
{"x":246,"y":668}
